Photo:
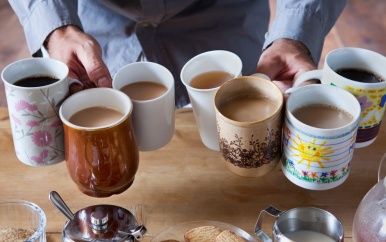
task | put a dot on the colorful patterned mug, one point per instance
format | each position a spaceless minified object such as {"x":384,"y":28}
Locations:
{"x":317,"y":152}
{"x":34,"y":111}
{"x":371,"y":96}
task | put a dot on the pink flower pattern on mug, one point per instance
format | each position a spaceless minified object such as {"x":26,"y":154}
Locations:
{"x":41,"y":138}
{"x":41,"y":158}
{"x":44,"y":129}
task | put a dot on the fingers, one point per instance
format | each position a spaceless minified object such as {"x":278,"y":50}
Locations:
{"x":96,"y":69}
{"x":83,"y":56}
{"x":268,"y":65}
{"x":285,"y":59}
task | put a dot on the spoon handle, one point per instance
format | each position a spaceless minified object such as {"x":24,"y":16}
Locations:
{"x":61,"y":205}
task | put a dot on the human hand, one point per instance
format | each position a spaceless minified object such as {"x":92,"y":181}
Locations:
{"x":83,"y":56}
{"x":284,"y":61}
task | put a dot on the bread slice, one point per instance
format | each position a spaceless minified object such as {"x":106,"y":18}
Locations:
{"x":228,"y":236}
{"x":202,"y":234}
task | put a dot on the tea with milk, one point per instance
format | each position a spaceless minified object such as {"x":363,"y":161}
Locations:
{"x":211,"y":79}
{"x":144,"y":90}
{"x":322,"y":116}
{"x":248,"y":108}
{"x":95,"y":117}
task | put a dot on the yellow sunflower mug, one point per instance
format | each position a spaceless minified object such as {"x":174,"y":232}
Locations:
{"x":319,"y":134}
{"x":362,"y":72}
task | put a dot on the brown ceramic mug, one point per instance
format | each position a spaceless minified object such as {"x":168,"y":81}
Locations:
{"x":101,"y":152}
{"x":249,"y":125}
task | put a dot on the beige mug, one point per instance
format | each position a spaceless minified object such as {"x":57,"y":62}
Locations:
{"x":249,"y":124}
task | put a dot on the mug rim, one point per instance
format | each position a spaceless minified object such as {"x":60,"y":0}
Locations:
{"x":339,"y":51}
{"x":246,"y":123}
{"x":34,"y":59}
{"x":125,"y":116}
{"x":170,"y":87}
{"x":317,"y":87}
{"x":186,"y":83}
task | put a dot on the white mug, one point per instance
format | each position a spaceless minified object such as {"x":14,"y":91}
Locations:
{"x":371,"y":96}
{"x":202,"y":99}
{"x":319,"y":157}
{"x":34,"y":111}
{"x":153,"y":119}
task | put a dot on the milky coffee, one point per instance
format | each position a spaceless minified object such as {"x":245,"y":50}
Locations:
{"x":248,"y":108}
{"x":95,"y":117}
{"x":211,"y":79}
{"x":322,"y":116}
{"x":144,"y":90}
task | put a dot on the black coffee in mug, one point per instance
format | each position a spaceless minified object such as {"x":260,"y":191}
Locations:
{"x":36,"y":81}
{"x":359,"y":75}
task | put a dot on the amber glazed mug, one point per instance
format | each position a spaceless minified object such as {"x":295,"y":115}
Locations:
{"x":102,"y":155}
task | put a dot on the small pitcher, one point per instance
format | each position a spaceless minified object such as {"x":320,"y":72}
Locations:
{"x":301,"y":224}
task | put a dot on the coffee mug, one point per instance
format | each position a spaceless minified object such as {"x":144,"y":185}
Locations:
{"x":321,"y":124}
{"x":35,"y":88}
{"x":301,"y":224}
{"x":102,"y":156}
{"x":150,"y":86}
{"x":213,"y":67}
{"x":249,"y":125}
{"x":361,"y":72}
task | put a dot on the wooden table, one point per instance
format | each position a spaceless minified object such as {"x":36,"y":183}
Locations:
{"x":186,"y":181}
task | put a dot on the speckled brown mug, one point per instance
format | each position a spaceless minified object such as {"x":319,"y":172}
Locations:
{"x":249,"y":125}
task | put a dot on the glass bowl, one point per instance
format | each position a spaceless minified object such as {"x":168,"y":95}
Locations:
{"x":20,"y":219}
{"x":176,"y":233}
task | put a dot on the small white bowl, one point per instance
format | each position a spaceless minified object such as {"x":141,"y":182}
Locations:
{"x":23,"y":215}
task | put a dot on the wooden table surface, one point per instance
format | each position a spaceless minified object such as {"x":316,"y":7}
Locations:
{"x":185,"y":181}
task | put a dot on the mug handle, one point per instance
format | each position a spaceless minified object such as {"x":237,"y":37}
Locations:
{"x":261,"y":75}
{"x":306,"y":76}
{"x":72,"y":81}
{"x":274,"y":212}
{"x":382,"y":169}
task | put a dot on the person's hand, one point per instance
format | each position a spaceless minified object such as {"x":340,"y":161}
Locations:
{"x":82,"y":54}
{"x":284,"y":61}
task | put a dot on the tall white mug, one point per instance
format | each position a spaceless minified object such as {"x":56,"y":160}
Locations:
{"x":202,"y":100}
{"x":153,"y":119}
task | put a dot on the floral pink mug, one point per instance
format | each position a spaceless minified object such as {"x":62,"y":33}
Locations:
{"x":34,"y":111}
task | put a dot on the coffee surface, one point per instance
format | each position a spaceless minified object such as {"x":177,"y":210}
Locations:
{"x":249,"y":108}
{"x":210,"y":79}
{"x":359,"y":75}
{"x":324,"y":117}
{"x":144,"y":90}
{"x":36,"y":81}
{"x":95,"y":117}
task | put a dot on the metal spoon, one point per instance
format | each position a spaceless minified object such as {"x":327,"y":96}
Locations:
{"x":61,"y":205}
